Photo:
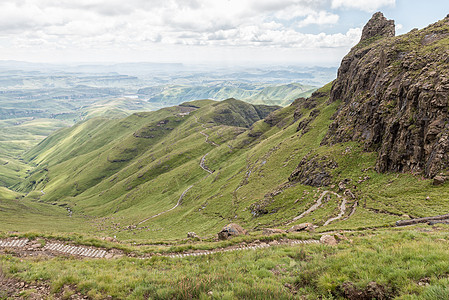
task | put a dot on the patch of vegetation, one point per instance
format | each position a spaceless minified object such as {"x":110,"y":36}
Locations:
{"x":386,"y":263}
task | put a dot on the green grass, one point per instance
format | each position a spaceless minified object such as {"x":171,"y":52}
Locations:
{"x":396,"y":260}
{"x":130,"y":169}
{"x":113,"y":173}
{"x":24,"y":215}
{"x":19,"y":134}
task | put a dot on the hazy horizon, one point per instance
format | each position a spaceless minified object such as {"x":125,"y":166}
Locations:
{"x":226,"y":33}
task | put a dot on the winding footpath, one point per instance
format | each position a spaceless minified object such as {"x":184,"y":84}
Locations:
{"x":311,"y":209}
{"x":166,"y":211}
{"x":202,"y":166}
{"x":14,"y":243}
{"x":342,"y":210}
{"x":318,"y":203}
{"x":75,"y":250}
{"x":205,"y":134}
{"x":56,"y":248}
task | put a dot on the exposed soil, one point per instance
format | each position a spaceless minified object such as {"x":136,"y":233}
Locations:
{"x":342,"y":210}
{"x":319,"y":202}
{"x":12,"y":288}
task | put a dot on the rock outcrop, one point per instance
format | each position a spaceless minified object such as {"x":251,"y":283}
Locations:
{"x":395,"y":97}
{"x":192,"y":235}
{"x":378,"y":26}
{"x":328,"y":240}
{"x":301,"y":227}
{"x":231,"y":230}
{"x":314,"y":171}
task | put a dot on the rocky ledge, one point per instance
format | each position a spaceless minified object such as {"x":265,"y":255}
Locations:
{"x":394,"y":93}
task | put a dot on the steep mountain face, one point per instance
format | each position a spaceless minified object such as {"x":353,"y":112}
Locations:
{"x":394,"y":93}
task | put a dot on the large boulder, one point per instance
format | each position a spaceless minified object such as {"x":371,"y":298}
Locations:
{"x":437,"y":180}
{"x":192,"y":235}
{"x":231,"y":230}
{"x":328,"y":240}
{"x":301,"y":227}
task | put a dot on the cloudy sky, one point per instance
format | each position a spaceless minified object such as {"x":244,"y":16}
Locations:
{"x":308,"y":32}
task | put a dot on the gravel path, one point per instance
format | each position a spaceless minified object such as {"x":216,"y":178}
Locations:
{"x":318,"y":203}
{"x":312,"y":208}
{"x":166,"y":211}
{"x":342,"y":210}
{"x":56,"y":248}
{"x":74,"y":250}
{"x":207,"y":138}
{"x":202,"y":164}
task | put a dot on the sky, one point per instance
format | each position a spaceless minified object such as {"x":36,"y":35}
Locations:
{"x":227,"y":32}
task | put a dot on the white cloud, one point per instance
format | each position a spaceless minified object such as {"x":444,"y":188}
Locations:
{"x":112,"y":25}
{"x":365,"y":5}
{"x":320,"y":18}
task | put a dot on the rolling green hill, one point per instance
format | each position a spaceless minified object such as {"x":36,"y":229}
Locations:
{"x":230,"y":161}
{"x":23,"y":128}
{"x":139,"y":166}
{"x":218,"y":162}
{"x":361,"y":153}
{"x":35,"y":104}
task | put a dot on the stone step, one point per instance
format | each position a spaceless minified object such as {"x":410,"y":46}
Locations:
{"x":241,"y":248}
{"x":75,"y":250}
{"x":14,"y":243}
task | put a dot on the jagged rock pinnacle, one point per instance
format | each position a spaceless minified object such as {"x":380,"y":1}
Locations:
{"x":396,"y":103}
{"x":378,"y":25}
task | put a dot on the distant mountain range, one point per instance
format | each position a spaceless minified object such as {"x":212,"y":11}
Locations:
{"x":282,"y":94}
{"x":37,"y":99}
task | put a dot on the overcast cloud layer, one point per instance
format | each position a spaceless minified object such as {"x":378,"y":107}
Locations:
{"x":176,"y":30}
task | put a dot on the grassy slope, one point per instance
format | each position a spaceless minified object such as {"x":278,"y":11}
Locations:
{"x":101,"y":169}
{"x":281,"y":95}
{"x":251,"y":166}
{"x":16,"y":136}
{"x":20,"y":134}
{"x":19,"y":214}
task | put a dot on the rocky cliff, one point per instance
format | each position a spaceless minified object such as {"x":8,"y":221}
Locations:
{"x":394,"y":93}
